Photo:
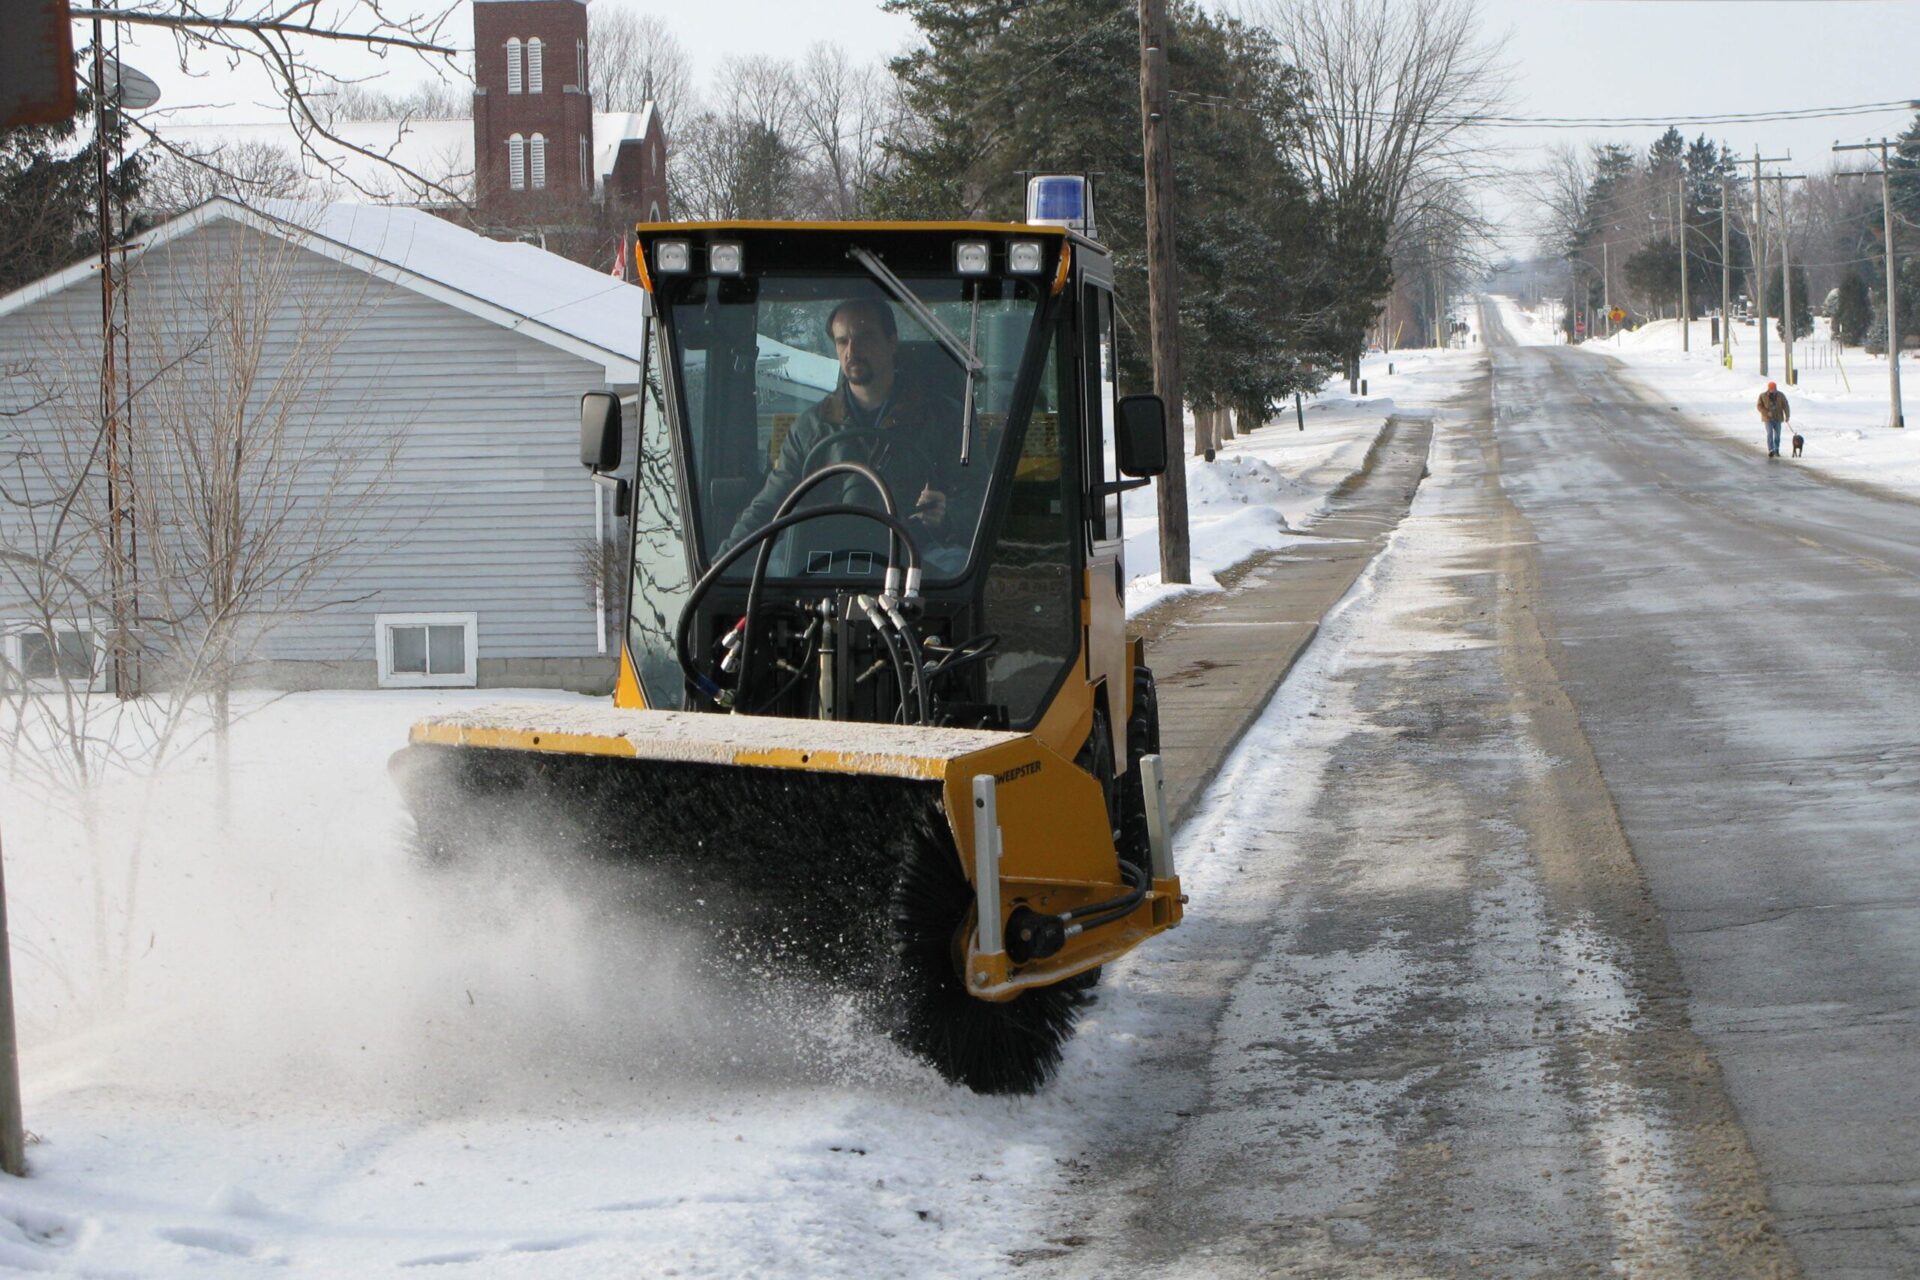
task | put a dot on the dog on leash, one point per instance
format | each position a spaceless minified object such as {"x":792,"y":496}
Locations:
{"x":1799,"y":441}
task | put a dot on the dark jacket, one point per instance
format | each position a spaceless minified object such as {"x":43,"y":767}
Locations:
{"x":926,"y":456}
{"x":1773,"y":407}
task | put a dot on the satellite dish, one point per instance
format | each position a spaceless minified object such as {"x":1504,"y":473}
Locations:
{"x":135,"y":90}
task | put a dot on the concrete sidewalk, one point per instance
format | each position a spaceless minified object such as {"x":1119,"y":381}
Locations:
{"x":1218,"y":658}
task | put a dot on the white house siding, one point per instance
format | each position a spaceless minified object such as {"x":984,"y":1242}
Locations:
{"x":487,"y":505}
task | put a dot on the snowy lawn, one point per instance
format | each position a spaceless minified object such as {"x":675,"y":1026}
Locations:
{"x":1840,"y":404}
{"x":319,"y":1055}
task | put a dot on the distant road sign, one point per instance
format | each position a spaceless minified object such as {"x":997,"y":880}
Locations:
{"x":1616,"y":315}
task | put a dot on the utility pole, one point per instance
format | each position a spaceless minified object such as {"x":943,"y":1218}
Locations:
{"x":1899,"y":418}
{"x":1760,"y":247}
{"x":1606,"y":287}
{"x":1786,"y":269}
{"x":1726,"y":283}
{"x":1163,"y":300}
{"x":1686,"y":314}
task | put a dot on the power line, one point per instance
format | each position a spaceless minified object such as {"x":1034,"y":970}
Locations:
{"x":1593,"y":122}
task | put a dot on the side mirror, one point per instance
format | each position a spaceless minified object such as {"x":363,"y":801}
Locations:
{"x":600,"y":431}
{"x":1142,"y":440}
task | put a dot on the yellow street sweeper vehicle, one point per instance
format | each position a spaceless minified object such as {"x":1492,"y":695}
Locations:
{"x":877,"y":713}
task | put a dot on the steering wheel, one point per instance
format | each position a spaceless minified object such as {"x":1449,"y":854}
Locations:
{"x":897,"y":438}
{"x":915,"y":452}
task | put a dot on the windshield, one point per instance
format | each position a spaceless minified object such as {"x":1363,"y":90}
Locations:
{"x":783,"y":375}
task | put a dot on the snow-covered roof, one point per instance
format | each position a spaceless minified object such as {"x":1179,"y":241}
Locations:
{"x":517,"y":286}
{"x":440,"y":151}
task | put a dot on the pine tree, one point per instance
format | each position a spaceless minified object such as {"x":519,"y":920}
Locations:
{"x":1802,"y":307}
{"x":49,"y":187}
{"x":1852,"y":310}
{"x":1006,"y":87}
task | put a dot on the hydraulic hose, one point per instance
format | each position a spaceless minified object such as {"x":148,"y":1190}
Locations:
{"x":807,"y":484}
{"x":773,"y":528}
{"x":872,"y":608}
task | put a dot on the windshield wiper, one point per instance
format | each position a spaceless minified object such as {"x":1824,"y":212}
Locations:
{"x":962,"y":352}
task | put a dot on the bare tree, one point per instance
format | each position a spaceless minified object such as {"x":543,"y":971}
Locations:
{"x":1388,"y":132}
{"x":283,"y":41}
{"x":742,"y":158}
{"x":843,"y":113}
{"x":252,"y":476}
{"x":432,"y":99}
{"x":1395,"y":90}
{"x":634,"y":58}
{"x":250,"y":170}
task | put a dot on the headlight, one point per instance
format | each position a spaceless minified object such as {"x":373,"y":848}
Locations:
{"x":726,"y":257}
{"x":671,"y":256}
{"x":972,"y":257}
{"x":1024,"y":257}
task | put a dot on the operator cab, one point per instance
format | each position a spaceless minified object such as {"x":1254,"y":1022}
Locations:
{"x":928,"y":411}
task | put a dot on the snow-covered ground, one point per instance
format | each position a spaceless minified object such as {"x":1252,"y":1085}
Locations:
{"x":1840,"y":404}
{"x":329,"y":1059}
{"x":1266,"y":483}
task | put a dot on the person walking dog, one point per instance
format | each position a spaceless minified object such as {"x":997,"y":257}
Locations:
{"x":1774,"y":410}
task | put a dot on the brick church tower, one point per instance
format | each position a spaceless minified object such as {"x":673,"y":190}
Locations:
{"x":532,"y":109}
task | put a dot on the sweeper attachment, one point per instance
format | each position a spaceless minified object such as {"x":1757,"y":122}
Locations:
{"x":877,"y":715}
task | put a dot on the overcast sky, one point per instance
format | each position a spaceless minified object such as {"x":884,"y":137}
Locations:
{"x":1568,"y":58}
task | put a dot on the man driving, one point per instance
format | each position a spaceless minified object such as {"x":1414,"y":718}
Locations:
{"x":894,"y":424}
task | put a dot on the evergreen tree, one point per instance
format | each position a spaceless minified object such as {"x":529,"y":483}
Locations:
{"x":1802,"y":307}
{"x":1005,"y":87}
{"x":1852,"y":310}
{"x":1653,"y":272}
{"x":49,"y":187}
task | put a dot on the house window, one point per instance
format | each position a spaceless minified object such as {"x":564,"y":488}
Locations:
{"x":427,"y":650}
{"x":47,"y":656}
{"x":586,"y":175}
{"x":580,"y":64}
{"x":513,"y":65}
{"x":517,"y":163}
{"x":535,"y":76}
{"x":537,"y":155}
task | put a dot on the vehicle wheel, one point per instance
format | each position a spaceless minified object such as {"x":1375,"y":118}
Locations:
{"x":1143,"y":739}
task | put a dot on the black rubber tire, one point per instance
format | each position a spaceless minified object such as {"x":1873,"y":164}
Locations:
{"x":1143,"y":739}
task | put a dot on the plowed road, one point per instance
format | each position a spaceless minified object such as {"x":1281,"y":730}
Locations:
{"x":1569,"y":921}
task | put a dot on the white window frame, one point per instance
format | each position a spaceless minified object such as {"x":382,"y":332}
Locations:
{"x":11,"y":634}
{"x":517,"y":163}
{"x":537,"y":162}
{"x":514,"y":81}
{"x":383,"y":650}
{"x":536,"y":66}
{"x":580,"y":65}
{"x":586,"y":174}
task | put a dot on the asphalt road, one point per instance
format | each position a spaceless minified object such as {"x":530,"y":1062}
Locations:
{"x":1423,"y":1019}
{"x":1742,"y":642}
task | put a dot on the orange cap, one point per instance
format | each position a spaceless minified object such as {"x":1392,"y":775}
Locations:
{"x":1772,"y":386}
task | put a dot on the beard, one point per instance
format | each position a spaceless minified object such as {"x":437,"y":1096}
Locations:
{"x":859,"y":372}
